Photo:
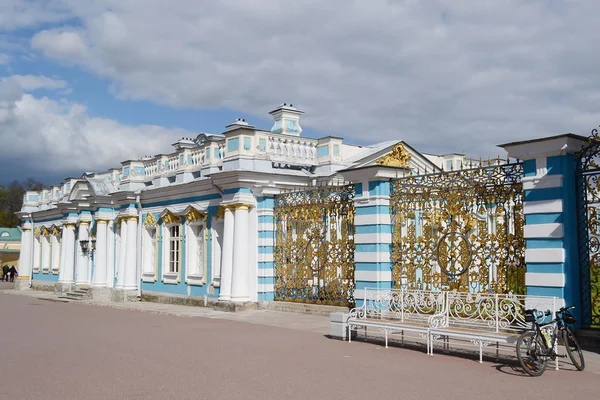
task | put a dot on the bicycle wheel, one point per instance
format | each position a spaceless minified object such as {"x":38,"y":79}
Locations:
{"x":530,"y":353}
{"x":573,"y":349}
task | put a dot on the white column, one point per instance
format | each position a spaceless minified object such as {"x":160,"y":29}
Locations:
{"x":36,"y":252}
{"x":130,"y":268}
{"x":83,"y":261}
{"x":227,"y":256}
{"x":45,"y":252}
{"x":56,"y":254}
{"x":99,"y":279}
{"x":239,"y":281}
{"x":110,"y":254}
{"x":67,"y":263}
{"x":122,"y":253}
{"x":25,"y":256}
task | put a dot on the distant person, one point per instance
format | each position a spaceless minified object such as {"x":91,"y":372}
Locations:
{"x":13,"y":272}
{"x":5,"y":273}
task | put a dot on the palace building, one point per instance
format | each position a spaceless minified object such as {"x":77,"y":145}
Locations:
{"x":197,"y":221}
{"x":251,"y":216}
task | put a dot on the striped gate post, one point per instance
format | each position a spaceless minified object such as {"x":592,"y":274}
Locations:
{"x":373,"y":228}
{"x":551,"y":243}
{"x":266,"y":239}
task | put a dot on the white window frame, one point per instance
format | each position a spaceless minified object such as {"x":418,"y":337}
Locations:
{"x":167,"y":275}
{"x":149,"y":253}
{"x":195,"y":264}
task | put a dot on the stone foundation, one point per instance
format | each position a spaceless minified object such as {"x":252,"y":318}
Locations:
{"x":22,"y":284}
{"x":303,"y":308}
{"x":100,"y":293}
{"x":60,"y":287}
{"x":235,"y":307}
{"x":164,"y":298}
{"x":43,"y":286}
{"x":123,"y":296}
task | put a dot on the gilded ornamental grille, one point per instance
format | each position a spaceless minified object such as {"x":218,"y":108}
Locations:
{"x":588,"y":185}
{"x":314,"y":249}
{"x":460,"y":230}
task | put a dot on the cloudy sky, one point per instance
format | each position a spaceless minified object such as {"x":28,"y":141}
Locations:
{"x":87,"y":84}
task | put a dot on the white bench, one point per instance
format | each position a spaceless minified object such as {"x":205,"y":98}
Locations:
{"x":479,"y":318}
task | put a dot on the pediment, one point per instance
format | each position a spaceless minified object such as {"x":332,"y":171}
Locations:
{"x":193,"y":214}
{"x":397,"y":155}
{"x":169,"y":217}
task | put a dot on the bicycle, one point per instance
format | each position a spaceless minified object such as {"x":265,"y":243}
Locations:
{"x":540,"y":342}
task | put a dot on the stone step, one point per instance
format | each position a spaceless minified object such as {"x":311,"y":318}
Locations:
{"x":86,"y":291}
{"x":78,"y":295}
{"x":70,"y":298}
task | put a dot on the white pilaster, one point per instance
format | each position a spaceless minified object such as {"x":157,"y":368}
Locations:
{"x":100,"y":275}
{"x":239,"y":281}
{"x":129,"y":269}
{"x":227,"y":257}
{"x":83,"y":260}
{"x":110,"y":254}
{"x":45,"y":253}
{"x":67,"y":270}
{"x":56,"y":254}
{"x":122,"y":254}
{"x":25,"y":256}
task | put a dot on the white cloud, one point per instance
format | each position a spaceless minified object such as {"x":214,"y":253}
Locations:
{"x":4,"y":58}
{"x":15,"y":14}
{"x":444,"y":75}
{"x":60,"y":137}
{"x":34,"y":82}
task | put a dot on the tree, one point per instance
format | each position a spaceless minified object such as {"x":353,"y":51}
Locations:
{"x":11,"y":200}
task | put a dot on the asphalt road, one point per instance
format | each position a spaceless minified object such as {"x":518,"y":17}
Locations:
{"x":51,"y":350}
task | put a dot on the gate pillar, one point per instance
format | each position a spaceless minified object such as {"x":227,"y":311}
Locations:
{"x":551,"y":244}
{"x":372,"y":221}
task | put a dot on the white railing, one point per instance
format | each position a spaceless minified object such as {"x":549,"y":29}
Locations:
{"x":197,"y":156}
{"x":292,"y":149}
{"x":150,"y":168}
{"x":442,"y":309}
{"x":173,"y":163}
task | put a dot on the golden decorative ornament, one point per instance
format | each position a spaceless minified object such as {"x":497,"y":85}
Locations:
{"x":56,"y":230}
{"x":150,"y":220}
{"x":314,"y":252}
{"x":169,"y":218}
{"x":459,"y":230}
{"x":37,"y":232}
{"x":398,"y":157}
{"x":194,"y":216}
{"x":588,"y":196}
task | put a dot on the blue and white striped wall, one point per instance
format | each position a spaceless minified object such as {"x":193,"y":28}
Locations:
{"x":266,"y":242}
{"x":551,"y":252}
{"x":373,"y":237}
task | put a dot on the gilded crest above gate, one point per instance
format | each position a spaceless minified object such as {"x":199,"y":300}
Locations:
{"x":398,"y":157}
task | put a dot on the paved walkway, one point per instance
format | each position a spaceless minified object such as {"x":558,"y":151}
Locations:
{"x":68,"y":351}
{"x":288,"y":320}
{"x":304,"y":322}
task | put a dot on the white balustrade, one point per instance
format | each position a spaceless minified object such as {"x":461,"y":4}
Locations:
{"x":292,"y":149}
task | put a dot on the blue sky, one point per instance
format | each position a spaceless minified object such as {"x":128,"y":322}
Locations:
{"x":85,"y":85}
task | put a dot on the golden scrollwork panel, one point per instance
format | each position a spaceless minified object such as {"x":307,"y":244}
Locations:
{"x":588,"y":204}
{"x":460,"y":230}
{"x":314,"y":251}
